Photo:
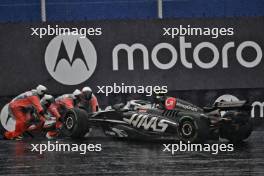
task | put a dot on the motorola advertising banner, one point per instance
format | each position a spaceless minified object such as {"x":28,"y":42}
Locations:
{"x":134,"y":56}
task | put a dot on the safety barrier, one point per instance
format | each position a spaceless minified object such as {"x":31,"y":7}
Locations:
{"x":80,"y":10}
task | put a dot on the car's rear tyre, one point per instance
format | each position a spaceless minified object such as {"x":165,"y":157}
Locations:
{"x":194,"y":130}
{"x":238,"y":127}
{"x":75,"y":123}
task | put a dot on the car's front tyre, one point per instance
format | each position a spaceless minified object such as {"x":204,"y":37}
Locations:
{"x":75,"y":123}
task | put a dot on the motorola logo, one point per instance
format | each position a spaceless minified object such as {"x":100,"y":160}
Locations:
{"x":78,"y":54}
{"x":70,"y":59}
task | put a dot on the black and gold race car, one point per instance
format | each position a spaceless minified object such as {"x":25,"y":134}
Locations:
{"x":140,"y":119}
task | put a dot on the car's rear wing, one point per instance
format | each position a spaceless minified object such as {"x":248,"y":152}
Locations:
{"x":231,"y":105}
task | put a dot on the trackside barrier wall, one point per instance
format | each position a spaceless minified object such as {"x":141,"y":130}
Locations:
{"x":80,"y":10}
{"x":24,"y":59}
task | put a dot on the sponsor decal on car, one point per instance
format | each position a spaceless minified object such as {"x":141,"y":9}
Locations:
{"x":148,"y":122}
{"x":189,"y":107}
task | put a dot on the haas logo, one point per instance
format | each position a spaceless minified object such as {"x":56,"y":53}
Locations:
{"x":70,"y":59}
{"x":147,"y":122}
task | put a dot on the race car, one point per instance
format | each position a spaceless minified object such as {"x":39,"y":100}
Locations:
{"x":140,"y":119}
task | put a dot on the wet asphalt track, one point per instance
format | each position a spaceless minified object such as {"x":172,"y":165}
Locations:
{"x":131,"y":158}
